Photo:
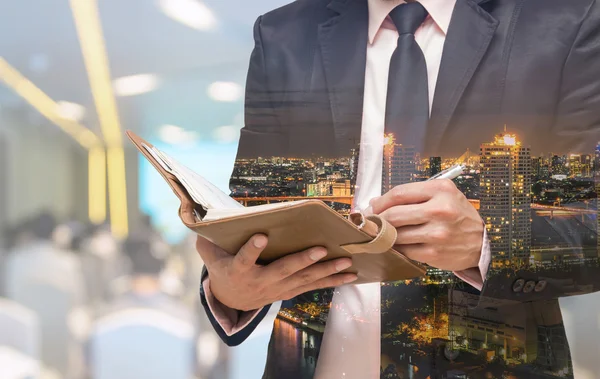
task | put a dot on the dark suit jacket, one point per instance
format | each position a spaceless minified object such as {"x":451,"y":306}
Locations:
{"x":533,"y":65}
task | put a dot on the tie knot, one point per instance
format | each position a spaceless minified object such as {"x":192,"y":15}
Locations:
{"x":408,"y":17}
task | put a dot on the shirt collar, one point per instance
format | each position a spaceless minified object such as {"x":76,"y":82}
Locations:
{"x":439,"y":10}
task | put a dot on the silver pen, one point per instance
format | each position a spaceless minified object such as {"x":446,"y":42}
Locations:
{"x":449,"y":173}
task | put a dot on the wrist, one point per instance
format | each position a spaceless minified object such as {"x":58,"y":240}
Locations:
{"x":476,"y":253}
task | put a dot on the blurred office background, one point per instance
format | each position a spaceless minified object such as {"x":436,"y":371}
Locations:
{"x":98,"y":278}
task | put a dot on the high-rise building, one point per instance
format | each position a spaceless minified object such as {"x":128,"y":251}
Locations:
{"x":341,"y":188}
{"x":597,"y":185}
{"x":354,"y":155}
{"x":505,"y":185}
{"x":586,"y":165}
{"x":575,"y":165}
{"x":559,"y":165}
{"x":537,"y":165}
{"x":321,"y":188}
{"x":399,"y":166}
{"x":435,"y":165}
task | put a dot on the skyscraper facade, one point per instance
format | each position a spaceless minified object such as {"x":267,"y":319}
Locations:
{"x":505,"y":206}
{"x":399,"y":164}
{"x":435,"y":165}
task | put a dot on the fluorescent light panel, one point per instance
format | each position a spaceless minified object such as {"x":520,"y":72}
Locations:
{"x":85,"y":137}
{"x":89,"y":30}
{"x":97,"y":185}
{"x":191,"y":13}
{"x":135,"y":84}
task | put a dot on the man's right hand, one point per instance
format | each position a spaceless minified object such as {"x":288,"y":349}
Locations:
{"x":238,"y":282}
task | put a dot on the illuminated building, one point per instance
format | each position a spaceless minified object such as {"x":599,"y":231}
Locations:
{"x":341,"y":188}
{"x":537,"y":165}
{"x":399,"y":165}
{"x":575,"y":165}
{"x":505,"y":204}
{"x":559,"y":165}
{"x":435,"y":165}
{"x":322,"y":188}
{"x":516,"y":335}
{"x":310,"y":176}
{"x":354,"y":155}
{"x":541,"y":167}
{"x":597,"y":185}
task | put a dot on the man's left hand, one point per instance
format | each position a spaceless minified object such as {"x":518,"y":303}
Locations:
{"x":436,"y":224}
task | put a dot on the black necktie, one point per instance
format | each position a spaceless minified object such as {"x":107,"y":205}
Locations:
{"x":406,"y":116}
{"x":407,"y":106}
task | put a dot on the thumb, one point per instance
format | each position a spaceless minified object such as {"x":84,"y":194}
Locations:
{"x":209,"y":252}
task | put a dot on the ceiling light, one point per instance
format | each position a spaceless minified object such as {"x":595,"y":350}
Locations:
{"x":190,"y":13}
{"x":135,"y":84}
{"x":225,"y":91}
{"x":174,"y":135}
{"x":70,"y":111}
{"x":227,"y":134}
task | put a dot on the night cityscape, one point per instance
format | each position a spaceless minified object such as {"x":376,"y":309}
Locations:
{"x":524,"y":201}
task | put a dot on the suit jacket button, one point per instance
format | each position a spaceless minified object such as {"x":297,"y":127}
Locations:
{"x":540,"y":286}
{"x":518,"y":285}
{"x":529,"y":286}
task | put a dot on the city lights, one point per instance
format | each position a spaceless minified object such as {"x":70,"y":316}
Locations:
{"x":503,"y":179}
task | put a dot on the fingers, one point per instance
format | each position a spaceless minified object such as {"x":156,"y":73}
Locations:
{"x":291,"y":264}
{"x":246,"y":258}
{"x":411,"y":193}
{"x":430,"y":233}
{"x":315,"y":273}
{"x":417,"y":252}
{"x":331,"y":281}
{"x":405,"y":215}
{"x":208,"y":251}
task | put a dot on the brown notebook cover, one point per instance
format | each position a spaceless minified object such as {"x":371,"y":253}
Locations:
{"x":368,"y":241}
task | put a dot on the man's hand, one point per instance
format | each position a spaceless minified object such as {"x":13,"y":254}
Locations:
{"x":239,"y":283}
{"x":436,"y":224}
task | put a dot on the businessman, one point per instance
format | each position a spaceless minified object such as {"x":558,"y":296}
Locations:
{"x":389,"y":84}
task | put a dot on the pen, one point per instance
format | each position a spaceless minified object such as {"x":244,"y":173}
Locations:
{"x":450,"y":173}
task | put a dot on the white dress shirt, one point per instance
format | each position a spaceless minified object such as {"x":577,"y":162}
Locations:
{"x":351,"y":342}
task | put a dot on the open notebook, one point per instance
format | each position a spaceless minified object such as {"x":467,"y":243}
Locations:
{"x":215,"y":202}
{"x":291,"y":226}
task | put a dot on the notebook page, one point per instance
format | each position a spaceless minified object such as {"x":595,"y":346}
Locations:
{"x":217,"y":214}
{"x":201,"y":190}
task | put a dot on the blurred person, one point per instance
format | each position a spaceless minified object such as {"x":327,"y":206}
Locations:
{"x":35,"y":256}
{"x":144,"y":332}
{"x":48,"y":280}
{"x":389,"y":82}
{"x":103,"y":262}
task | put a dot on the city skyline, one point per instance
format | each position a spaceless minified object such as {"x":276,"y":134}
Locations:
{"x":519,"y":195}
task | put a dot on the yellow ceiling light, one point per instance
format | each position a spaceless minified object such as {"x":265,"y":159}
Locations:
{"x":45,"y":105}
{"x":89,"y":31}
{"x":85,"y":137}
{"x":97,"y":180}
{"x":70,"y":111}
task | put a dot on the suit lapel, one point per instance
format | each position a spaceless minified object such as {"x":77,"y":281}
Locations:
{"x":343,"y":41}
{"x":469,"y":35}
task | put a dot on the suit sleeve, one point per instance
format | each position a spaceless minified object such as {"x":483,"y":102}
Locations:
{"x":239,"y":335}
{"x":261,"y":135}
{"x":577,"y":129}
